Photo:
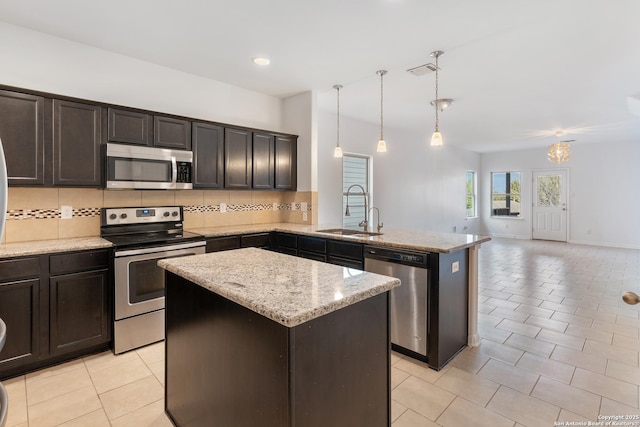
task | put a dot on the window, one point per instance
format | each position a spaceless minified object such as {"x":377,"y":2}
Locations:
{"x":471,"y":194}
{"x":505,"y":194}
{"x":355,"y":170}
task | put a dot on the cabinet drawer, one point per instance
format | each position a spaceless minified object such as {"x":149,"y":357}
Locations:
{"x":345,"y":262}
{"x":21,"y":268}
{"x":286,"y":241}
{"x":255,"y":240}
{"x":345,"y":250}
{"x":78,"y":261}
{"x":312,"y":244}
{"x":312,"y":255}
{"x":223,"y":243}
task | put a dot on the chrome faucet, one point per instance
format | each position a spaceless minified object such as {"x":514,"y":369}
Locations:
{"x":365,"y":222}
{"x":379,"y":224}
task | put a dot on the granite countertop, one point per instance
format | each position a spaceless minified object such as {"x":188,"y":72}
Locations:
{"x":429,"y":241}
{"x":12,"y":250}
{"x":286,"y":289}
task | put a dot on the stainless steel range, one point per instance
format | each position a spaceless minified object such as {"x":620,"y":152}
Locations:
{"x":142,"y":236}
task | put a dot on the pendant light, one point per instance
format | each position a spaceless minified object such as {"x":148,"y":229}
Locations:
{"x":337,"y":152}
{"x":436,"y":138}
{"x":382,"y":145}
{"x":561,"y":150}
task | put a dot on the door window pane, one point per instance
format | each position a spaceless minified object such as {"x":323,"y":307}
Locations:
{"x":548,"y":191}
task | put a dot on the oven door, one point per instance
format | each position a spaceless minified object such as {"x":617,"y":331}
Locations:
{"x":139,"y":282}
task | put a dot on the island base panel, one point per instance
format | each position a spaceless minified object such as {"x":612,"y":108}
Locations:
{"x":227,"y":365}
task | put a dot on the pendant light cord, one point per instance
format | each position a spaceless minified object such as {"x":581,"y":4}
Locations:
{"x":381,"y":105}
{"x":436,"y":102}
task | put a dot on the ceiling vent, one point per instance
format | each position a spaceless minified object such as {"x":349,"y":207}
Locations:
{"x":421,"y":70}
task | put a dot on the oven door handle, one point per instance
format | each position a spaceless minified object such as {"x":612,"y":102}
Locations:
{"x":155,"y":249}
{"x":174,"y":171}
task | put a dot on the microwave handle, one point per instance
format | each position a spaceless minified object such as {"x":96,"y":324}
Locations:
{"x":174,"y":171}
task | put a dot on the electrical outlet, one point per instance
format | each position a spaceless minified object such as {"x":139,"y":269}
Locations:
{"x":304,"y":216}
{"x":275,"y":206}
{"x":455,"y":266}
{"x":223,"y":207}
{"x":66,"y":212}
{"x":303,"y":206}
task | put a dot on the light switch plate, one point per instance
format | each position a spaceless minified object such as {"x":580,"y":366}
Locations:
{"x":293,"y":206}
{"x":303,"y":206}
{"x":455,"y":266}
{"x":223,"y":207}
{"x":66,"y":212}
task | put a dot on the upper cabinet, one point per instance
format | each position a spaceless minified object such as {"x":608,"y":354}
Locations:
{"x":263,"y":161}
{"x":171,"y":133}
{"x":76,"y":144}
{"x":50,"y":142}
{"x":134,"y":127}
{"x":237,"y":159}
{"x":22,"y":133}
{"x":207,"y":141}
{"x":129,"y":127}
{"x":286,"y":163}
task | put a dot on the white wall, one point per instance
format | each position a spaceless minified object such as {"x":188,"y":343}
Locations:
{"x":603,"y":199}
{"x":37,"y":61}
{"x":299,"y":116}
{"x":414,"y":185}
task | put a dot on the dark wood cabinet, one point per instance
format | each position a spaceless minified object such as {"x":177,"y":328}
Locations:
{"x":237,"y":159}
{"x":286,"y":163}
{"x":56,"y":307}
{"x":346,"y":254}
{"x":171,"y":133}
{"x":225,"y":243}
{"x":129,"y":127}
{"x":79,"y":311}
{"x":258,"y":240}
{"x":20,"y":310}
{"x":263,"y":161}
{"x":22,"y":130}
{"x":76,"y":144}
{"x":207,"y":141}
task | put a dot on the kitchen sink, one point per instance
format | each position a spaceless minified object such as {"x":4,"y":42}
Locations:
{"x":347,"y":232}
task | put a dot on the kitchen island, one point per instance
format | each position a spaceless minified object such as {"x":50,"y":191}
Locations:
{"x":261,"y":338}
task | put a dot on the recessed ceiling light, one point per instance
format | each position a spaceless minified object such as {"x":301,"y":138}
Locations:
{"x":261,"y":61}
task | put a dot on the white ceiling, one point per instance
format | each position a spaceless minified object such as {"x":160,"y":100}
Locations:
{"x":519,"y":70}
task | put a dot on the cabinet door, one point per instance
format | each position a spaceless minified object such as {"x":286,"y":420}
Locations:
{"x":286,"y":163}
{"x":22,"y":134}
{"x":237,"y":159}
{"x":79,"y":311}
{"x":76,"y":144}
{"x":171,"y":133}
{"x":263,"y":161}
{"x":129,"y":127}
{"x":226,"y":243}
{"x":20,"y":311}
{"x":207,"y":142}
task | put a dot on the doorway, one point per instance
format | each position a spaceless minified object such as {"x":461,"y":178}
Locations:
{"x":549,"y":214}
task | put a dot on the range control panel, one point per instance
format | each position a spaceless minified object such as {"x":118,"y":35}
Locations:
{"x":120,"y":216}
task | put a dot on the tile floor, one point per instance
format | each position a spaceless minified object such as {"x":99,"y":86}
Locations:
{"x":558,"y":344}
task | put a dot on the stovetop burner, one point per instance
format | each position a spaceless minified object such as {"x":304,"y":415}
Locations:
{"x":134,"y":227}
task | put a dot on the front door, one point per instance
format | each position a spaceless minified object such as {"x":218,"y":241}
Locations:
{"x":550,"y":205}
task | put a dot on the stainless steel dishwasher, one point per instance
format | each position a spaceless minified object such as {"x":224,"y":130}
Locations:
{"x":408,"y":302}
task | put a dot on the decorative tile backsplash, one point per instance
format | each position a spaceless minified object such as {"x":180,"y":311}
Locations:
{"x":35,"y":213}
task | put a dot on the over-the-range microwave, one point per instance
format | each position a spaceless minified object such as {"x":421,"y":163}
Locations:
{"x":147,"y":168}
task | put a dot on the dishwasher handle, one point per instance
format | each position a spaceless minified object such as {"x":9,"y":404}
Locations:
{"x":412,"y":258}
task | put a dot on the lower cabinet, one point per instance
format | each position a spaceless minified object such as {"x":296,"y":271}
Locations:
{"x":225,"y":243}
{"x":78,"y":311}
{"x":56,"y":307}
